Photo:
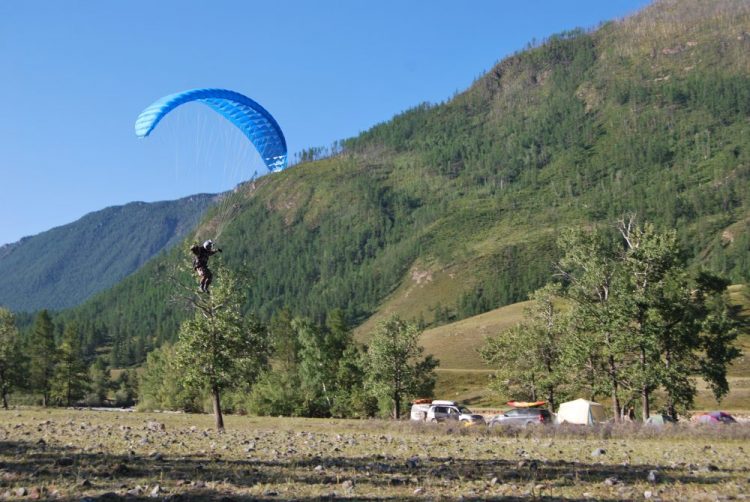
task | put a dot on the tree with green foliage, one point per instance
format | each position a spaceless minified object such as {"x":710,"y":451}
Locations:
{"x":220,"y":348}
{"x":321,"y":350}
{"x":158,"y":389}
{"x":640,"y":322}
{"x":70,"y":378}
{"x":100,"y":382}
{"x":397,"y":371}
{"x":528,"y":357}
{"x":350,"y":396}
{"x":42,"y":356}
{"x":126,"y":388}
{"x":11,"y":357}
{"x":600,"y":343}
{"x":316,"y":370}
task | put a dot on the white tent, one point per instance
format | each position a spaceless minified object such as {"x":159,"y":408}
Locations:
{"x":580,"y":412}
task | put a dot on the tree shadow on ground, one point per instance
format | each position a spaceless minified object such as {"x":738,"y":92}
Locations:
{"x":104,"y":476}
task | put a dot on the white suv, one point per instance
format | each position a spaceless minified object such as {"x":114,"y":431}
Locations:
{"x":441,"y":411}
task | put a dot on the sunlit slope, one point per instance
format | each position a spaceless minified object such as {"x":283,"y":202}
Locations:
{"x":457,"y":344}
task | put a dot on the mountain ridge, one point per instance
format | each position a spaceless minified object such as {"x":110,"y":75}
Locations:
{"x":61,"y":267}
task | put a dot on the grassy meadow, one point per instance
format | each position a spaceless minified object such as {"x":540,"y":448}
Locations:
{"x":88,"y":455}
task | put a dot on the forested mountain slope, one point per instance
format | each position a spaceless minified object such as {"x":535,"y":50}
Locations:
{"x":63,"y":266}
{"x":452,"y":209}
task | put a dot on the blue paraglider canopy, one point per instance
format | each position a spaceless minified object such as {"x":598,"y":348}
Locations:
{"x":252,"y":119}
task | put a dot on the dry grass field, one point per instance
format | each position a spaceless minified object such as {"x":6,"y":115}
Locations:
{"x":99,"y":455}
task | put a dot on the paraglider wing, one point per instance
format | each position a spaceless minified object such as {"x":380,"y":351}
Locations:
{"x":252,"y":119}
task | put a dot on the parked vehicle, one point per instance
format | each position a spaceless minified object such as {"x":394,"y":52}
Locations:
{"x":522,"y":417}
{"x":443,"y":411}
{"x":714,"y":417}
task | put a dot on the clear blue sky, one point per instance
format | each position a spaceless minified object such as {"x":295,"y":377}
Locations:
{"x":75,"y":74}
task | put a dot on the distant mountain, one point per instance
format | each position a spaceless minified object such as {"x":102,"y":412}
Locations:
{"x":62,"y":267}
{"x":453,"y":209}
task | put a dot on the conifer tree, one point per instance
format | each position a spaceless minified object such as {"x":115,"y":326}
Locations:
{"x":11,"y":359}
{"x":100,"y":382}
{"x":70,"y":378}
{"x":42,"y":355}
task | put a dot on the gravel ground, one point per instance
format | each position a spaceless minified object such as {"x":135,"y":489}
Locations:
{"x":100,"y":455}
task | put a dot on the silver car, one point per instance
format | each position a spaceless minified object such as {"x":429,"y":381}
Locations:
{"x":522,"y":417}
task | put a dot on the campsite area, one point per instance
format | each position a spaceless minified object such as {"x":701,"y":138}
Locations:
{"x":84,"y":455}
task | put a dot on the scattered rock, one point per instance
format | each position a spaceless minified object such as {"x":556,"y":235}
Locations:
{"x":155,"y":491}
{"x":153,"y":425}
{"x":598,"y":452}
{"x":85,"y":483}
{"x":653,"y":476}
{"x":21,"y":492}
{"x":348,"y":484}
{"x":120,"y":469}
{"x":412,"y":463}
{"x":318,"y":468}
{"x":64,"y":462}
{"x":493,"y":481}
{"x":419,"y":491}
{"x":648,"y":494}
{"x":270,"y":493}
{"x":611,"y":481}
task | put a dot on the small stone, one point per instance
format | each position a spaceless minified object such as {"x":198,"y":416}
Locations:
{"x":318,"y":468}
{"x":155,"y":491}
{"x":419,"y":491}
{"x":493,"y":481}
{"x":412,"y":463}
{"x":155,"y":426}
{"x":85,"y":483}
{"x":598,"y":452}
{"x":611,"y":481}
{"x":64,"y":462}
{"x":653,"y":476}
{"x":348,"y":484}
{"x":648,"y":494}
{"x":21,"y":492}
{"x":270,"y":493}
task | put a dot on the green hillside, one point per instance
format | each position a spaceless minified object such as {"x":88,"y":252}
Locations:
{"x":62,"y":267}
{"x":450,"y":210}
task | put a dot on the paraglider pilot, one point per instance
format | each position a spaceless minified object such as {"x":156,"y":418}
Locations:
{"x":200,"y":262}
